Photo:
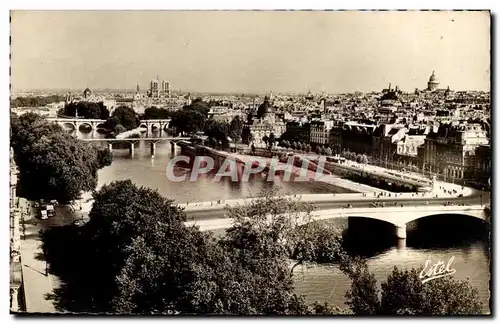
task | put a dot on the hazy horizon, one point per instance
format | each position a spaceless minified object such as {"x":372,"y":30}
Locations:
{"x":250,"y":51}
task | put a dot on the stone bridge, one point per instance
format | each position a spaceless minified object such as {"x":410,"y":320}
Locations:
{"x":397,"y":216}
{"x":76,"y":123}
{"x":150,"y":124}
{"x":132,"y":141}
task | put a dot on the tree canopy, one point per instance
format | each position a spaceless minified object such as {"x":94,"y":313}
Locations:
{"x":90,"y":110}
{"x":403,"y":293}
{"x":52,"y":163}
{"x":38,"y":101}
{"x":124,"y":116}
{"x":156,"y":113}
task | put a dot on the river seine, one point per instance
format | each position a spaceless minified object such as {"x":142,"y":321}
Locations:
{"x":468,"y":246}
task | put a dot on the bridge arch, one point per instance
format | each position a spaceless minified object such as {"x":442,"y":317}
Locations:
{"x":100,"y":125}
{"x":476,"y":214}
{"x":85,"y":126}
{"x":155,"y":126}
{"x":68,"y":125}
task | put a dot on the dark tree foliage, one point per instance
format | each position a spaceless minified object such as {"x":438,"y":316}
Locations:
{"x":84,"y":109}
{"x":404,"y":294}
{"x":38,"y":101}
{"x":200,"y":106}
{"x":246,"y":135}
{"x":263,"y":109}
{"x":156,"y":113}
{"x":235,"y":129}
{"x":52,"y":163}
{"x":188,"y":121}
{"x":219,"y":132}
{"x":104,"y":157}
{"x":126,"y":117}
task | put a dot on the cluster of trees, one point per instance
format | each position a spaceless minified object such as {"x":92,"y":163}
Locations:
{"x":270,"y":141}
{"x":136,"y":255}
{"x":122,"y":119}
{"x":53,"y":164}
{"x":193,"y":119}
{"x":220,"y":133}
{"x":156,"y":113}
{"x":190,"y":119}
{"x":360,"y":158}
{"x":84,"y":109}
{"x":306,"y":147}
{"x":38,"y":101}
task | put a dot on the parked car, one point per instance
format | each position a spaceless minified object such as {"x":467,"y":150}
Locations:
{"x":50,"y":210}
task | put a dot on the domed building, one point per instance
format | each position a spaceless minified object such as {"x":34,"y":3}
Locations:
{"x":87,"y":93}
{"x":433,"y":82}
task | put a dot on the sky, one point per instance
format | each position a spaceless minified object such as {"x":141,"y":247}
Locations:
{"x":250,"y":51}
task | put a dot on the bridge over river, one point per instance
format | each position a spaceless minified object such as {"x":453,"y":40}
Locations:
{"x":76,"y":123}
{"x":399,"y":208}
{"x":396,"y":215}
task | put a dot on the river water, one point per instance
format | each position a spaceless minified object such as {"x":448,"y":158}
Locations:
{"x":468,"y":245}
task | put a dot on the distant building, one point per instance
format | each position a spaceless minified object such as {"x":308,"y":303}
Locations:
{"x":86,"y":94}
{"x":450,"y":149}
{"x":320,"y":131}
{"x":433,"y":83}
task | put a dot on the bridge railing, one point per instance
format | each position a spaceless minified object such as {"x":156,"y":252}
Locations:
{"x":311,"y":198}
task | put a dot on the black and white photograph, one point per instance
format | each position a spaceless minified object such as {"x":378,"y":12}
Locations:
{"x":251,"y":163}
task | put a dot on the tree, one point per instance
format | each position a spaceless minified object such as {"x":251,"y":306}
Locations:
{"x":271,"y":140}
{"x":126,"y":117}
{"x":85,"y":109}
{"x":198,"y":105}
{"x":263,"y":108}
{"x":265,"y":139}
{"x":246,"y":135}
{"x":219,"y":133}
{"x":104,"y":158}
{"x":52,"y":163}
{"x":362,"y":296}
{"x":364,"y":159}
{"x":188,"y":121}
{"x":235,"y":129}
{"x":404,"y":294}
{"x":156,"y":113}
{"x":139,"y":240}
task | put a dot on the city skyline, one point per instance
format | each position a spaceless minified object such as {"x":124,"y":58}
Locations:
{"x":260,"y":52}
